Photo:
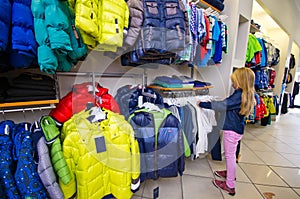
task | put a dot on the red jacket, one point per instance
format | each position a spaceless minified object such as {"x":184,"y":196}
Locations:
{"x":77,"y":99}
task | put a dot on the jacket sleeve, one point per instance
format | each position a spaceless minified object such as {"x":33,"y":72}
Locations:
{"x":135,"y":184}
{"x":68,"y":189}
{"x":186,"y":19}
{"x":135,"y":22}
{"x":46,"y":171}
{"x":57,"y":24}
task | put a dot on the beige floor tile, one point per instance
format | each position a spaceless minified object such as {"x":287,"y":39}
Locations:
{"x":289,"y":175}
{"x":282,"y":147}
{"x":248,"y":156}
{"x":289,"y":139}
{"x":199,"y":187}
{"x":258,"y":145}
{"x":244,"y":191}
{"x":279,"y":192}
{"x":293,"y":158}
{"x":198,"y":167}
{"x":297,"y":191}
{"x":140,"y":191}
{"x":261,"y":174}
{"x":168,"y":188}
{"x":273,"y":158}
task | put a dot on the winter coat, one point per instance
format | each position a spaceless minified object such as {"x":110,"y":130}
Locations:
{"x":60,"y":43}
{"x":165,"y":31}
{"x":44,"y":165}
{"x":7,"y":180}
{"x":161,"y":143}
{"x":27,"y":178}
{"x":101,"y":22}
{"x":127,"y":97}
{"x":103,"y":156}
{"x":5,"y":21}
{"x":77,"y":99}
{"x":24,"y":47}
{"x":51,"y":133}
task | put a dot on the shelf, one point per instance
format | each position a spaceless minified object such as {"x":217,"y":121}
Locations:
{"x":253,"y":29}
{"x":179,"y":89}
{"x":29,"y":103}
{"x":204,"y":4}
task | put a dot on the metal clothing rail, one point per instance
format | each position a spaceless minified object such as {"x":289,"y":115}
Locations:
{"x":27,"y":109}
{"x":106,"y":75}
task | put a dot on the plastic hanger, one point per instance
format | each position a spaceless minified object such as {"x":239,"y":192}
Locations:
{"x":96,"y":114}
{"x":151,"y":107}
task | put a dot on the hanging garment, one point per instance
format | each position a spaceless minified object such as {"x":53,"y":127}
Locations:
{"x":26,"y":176}
{"x":51,"y":133}
{"x":7,"y":180}
{"x":5,"y":23}
{"x":59,"y":41}
{"x":77,"y":99}
{"x":44,"y":165}
{"x":103,"y":157}
{"x":253,"y":47}
{"x":23,"y":42}
{"x":161,"y":143}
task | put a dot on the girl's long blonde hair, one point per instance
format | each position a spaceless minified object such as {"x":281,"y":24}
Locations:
{"x":243,"y":78}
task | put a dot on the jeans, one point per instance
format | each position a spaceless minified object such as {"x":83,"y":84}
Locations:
{"x":231,"y":140}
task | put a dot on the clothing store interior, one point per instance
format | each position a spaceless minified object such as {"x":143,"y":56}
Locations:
{"x":100,"y":98}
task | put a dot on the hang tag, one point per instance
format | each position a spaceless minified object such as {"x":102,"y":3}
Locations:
{"x":6,"y":130}
{"x":100,"y":144}
{"x":155,"y":192}
{"x":140,"y":101}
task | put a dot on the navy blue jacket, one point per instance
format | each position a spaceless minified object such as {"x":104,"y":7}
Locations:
{"x":5,"y":20}
{"x":232,"y":106}
{"x":161,"y":147}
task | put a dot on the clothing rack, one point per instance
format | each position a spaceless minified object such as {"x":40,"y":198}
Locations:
{"x":93,"y":75}
{"x":27,"y":109}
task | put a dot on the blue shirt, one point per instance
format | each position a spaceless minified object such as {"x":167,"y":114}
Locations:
{"x":234,"y":121}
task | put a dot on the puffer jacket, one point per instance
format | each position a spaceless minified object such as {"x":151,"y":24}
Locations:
{"x":77,"y":99}
{"x":5,"y":20}
{"x":161,"y":143}
{"x":51,"y":133}
{"x":7,"y":180}
{"x":164,"y":31}
{"x":27,"y":179}
{"x":103,"y":156}
{"x":101,"y":22}
{"x":127,"y":97}
{"x":44,"y":165}
{"x":24,"y":47}
{"x":59,"y":41}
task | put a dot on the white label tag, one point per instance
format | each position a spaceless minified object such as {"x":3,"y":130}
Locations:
{"x":140,"y":101}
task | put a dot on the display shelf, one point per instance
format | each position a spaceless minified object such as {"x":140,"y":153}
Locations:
{"x":204,"y":4}
{"x":179,"y":89}
{"x":28,"y":103}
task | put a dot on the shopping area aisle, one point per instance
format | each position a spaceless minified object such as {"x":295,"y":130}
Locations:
{"x":269,"y":165}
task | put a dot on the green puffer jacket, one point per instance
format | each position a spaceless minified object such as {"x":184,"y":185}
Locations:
{"x":52,"y":134}
{"x":103,"y":156}
{"x":60,"y":43}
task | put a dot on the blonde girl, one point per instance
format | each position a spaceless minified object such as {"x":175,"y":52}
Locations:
{"x":236,"y":107}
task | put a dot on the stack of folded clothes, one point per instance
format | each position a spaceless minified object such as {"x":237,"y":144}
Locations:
{"x":219,"y":4}
{"x":167,"y":82}
{"x":187,"y":82}
{"x":30,"y":87}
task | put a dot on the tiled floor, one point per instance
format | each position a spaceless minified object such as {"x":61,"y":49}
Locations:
{"x":269,"y":165}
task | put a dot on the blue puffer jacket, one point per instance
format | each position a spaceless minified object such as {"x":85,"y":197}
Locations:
{"x":5,"y":19}
{"x":7,"y":180}
{"x":26,"y":176}
{"x":24,"y":47}
{"x":161,"y":143}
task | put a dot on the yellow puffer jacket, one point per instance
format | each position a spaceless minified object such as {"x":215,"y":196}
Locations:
{"x":101,"y":22}
{"x":103,"y":157}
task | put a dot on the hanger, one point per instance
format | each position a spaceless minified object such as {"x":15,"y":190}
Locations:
{"x":151,"y":107}
{"x":96,"y":114}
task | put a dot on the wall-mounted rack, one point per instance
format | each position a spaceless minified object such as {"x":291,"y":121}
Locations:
{"x":204,"y":4}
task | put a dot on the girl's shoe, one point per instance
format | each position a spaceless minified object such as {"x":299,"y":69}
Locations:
{"x":222,"y":185}
{"x":221,"y":174}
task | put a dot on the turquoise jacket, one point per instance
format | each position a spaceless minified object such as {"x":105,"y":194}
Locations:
{"x":59,"y":41}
